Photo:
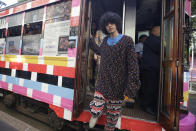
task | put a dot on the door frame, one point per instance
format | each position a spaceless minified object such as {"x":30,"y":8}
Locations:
{"x":82,"y":38}
{"x":176,"y":64}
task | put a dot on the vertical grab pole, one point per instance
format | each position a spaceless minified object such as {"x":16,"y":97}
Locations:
{"x":192,"y":59}
{"x":192,"y":66}
{"x":123,"y":22}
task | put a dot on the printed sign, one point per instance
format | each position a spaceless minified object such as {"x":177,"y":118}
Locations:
{"x":13,"y":44}
{"x":66,"y":45}
{"x":52,"y":33}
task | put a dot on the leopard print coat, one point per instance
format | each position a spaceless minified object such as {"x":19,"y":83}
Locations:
{"x":119,"y":70}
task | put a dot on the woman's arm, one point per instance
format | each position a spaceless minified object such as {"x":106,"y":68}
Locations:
{"x":94,"y":46}
{"x":133,"y":81}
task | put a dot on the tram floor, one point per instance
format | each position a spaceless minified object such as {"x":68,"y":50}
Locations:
{"x":134,"y":112}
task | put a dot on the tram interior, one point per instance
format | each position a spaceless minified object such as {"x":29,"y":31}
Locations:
{"x":148,"y":14}
{"x":14,"y":31}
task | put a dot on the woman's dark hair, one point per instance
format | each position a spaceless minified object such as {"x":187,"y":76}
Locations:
{"x":110,"y":17}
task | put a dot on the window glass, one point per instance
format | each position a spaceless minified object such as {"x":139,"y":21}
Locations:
{"x":12,"y":45}
{"x":31,"y":44}
{"x":167,"y":87}
{"x":33,"y":28}
{"x":168,"y":38}
{"x":31,"y":38}
{"x":169,"y":6}
{"x":2,"y":42}
{"x":57,"y":29}
{"x":2,"y":33}
{"x":3,"y":23}
{"x":62,"y":9}
{"x":34,"y":16}
{"x":58,"y":41}
{"x":14,"y":31}
{"x":15,"y":20}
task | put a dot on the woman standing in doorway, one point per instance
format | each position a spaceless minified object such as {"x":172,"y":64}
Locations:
{"x":118,"y":74}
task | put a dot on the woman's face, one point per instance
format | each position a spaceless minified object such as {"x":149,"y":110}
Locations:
{"x":111,"y":28}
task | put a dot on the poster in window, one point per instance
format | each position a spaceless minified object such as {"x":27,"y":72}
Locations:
{"x":13,"y":44}
{"x":63,"y":44}
{"x":2,"y":42}
{"x":66,"y":45}
{"x":31,"y":45}
{"x":62,"y":9}
{"x":34,"y":16}
{"x":51,"y":39}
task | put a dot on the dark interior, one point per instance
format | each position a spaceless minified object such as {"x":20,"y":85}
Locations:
{"x":14,"y":31}
{"x":33,"y":28}
{"x":2,"y":33}
{"x":148,"y":14}
{"x":99,"y":7}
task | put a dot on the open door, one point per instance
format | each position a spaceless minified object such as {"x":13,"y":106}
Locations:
{"x":171,"y":70}
{"x":82,"y":57}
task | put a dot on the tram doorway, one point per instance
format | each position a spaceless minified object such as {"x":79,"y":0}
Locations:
{"x":134,"y":25}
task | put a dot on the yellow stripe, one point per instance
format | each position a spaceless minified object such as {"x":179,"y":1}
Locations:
{"x":58,"y":61}
{"x":22,"y":58}
{"x":30,"y":59}
{"x":186,"y":95}
{"x":10,"y":58}
{"x":48,"y":60}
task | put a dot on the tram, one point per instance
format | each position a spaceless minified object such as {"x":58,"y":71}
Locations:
{"x":45,"y":61}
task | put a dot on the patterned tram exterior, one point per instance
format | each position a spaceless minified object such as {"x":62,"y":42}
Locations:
{"x":62,"y":68}
{"x":23,"y":74}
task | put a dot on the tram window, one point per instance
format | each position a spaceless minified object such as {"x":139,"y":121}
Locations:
{"x":2,"y":33}
{"x":15,"y":20}
{"x":186,"y":45}
{"x":14,"y":31}
{"x":3,"y":23}
{"x":35,"y":15}
{"x":33,"y":28}
{"x":58,"y":21}
{"x":2,"y":43}
{"x":13,"y":45}
{"x":31,"y":44}
{"x":31,"y":38}
{"x":169,"y":6}
{"x":58,"y":12}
